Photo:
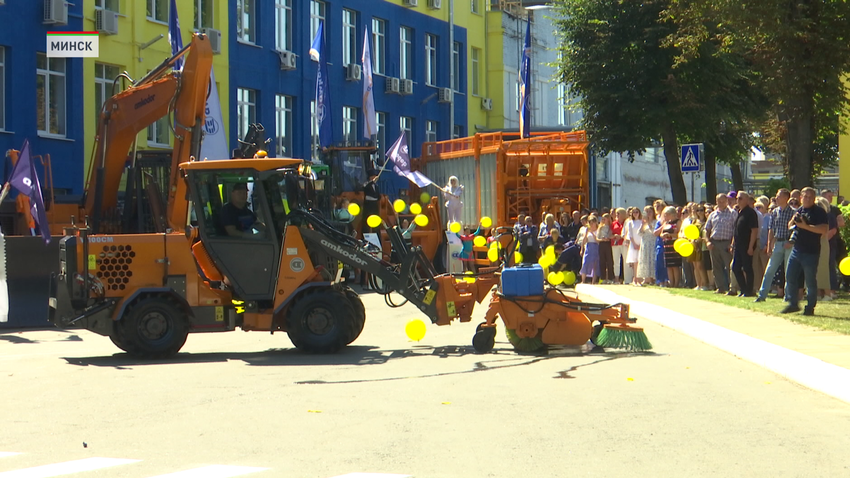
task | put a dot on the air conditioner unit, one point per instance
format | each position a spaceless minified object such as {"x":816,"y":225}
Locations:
{"x":215,"y":39}
{"x":106,"y":22}
{"x":287,"y":60}
{"x":407,"y":87}
{"x":486,"y":104}
{"x":444,"y":95}
{"x":353,"y":72}
{"x":435,"y":4}
{"x":392,"y":85}
{"x":411,"y":3}
{"x":55,"y":12}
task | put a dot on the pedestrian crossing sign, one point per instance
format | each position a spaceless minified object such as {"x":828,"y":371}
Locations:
{"x":690,"y":158}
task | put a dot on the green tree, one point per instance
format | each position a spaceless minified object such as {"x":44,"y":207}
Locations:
{"x":801,"y":49}
{"x":633,"y":89}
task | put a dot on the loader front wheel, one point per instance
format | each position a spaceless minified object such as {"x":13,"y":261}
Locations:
{"x":154,"y":327}
{"x":320,"y":323}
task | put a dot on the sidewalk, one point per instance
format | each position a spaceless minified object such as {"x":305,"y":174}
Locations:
{"x":815,"y":358}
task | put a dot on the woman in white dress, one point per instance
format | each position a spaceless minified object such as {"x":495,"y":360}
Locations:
{"x":646,"y":257}
{"x":632,"y":241}
{"x":454,"y":205}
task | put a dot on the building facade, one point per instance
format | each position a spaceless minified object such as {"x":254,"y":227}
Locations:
{"x":41,"y":99}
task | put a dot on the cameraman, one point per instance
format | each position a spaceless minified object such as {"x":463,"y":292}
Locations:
{"x":809,"y":222}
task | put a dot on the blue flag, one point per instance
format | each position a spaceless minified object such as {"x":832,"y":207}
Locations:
{"x":174,"y":34}
{"x":525,"y":86}
{"x":400,"y":156}
{"x":324,"y":111}
{"x":25,"y":180}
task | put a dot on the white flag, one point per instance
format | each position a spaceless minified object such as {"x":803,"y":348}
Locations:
{"x":214,"y":145}
{"x":369,"y":127}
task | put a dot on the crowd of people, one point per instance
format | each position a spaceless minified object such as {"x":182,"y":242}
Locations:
{"x":741,"y":245}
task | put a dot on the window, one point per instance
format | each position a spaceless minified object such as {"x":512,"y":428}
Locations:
{"x":111,"y":5}
{"x":406,"y":38}
{"x":379,"y":46}
{"x":283,"y":25}
{"x":104,"y":75}
{"x":159,"y":133}
{"x":157,"y":10}
{"x":476,"y":6}
{"x":349,"y":124}
{"x":476,"y":55}
{"x":456,"y":62}
{"x":50,"y":94}
{"x":457,"y":132}
{"x":245,"y":26}
{"x":317,"y":15}
{"x":431,"y":131}
{"x":406,"y":125}
{"x":431,"y":59}
{"x":203,"y":14}
{"x":2,"y":88}
{"x":246,"y":110}
{"x":381,"y":137}
{"x":349,"y":37}
{"x":283,"y":126}
{"x":516,"y":95}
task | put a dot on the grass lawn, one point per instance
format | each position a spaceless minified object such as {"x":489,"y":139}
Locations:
{"x":833,"y":316}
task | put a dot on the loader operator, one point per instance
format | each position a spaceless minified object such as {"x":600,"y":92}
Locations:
{"x":236,"y":219}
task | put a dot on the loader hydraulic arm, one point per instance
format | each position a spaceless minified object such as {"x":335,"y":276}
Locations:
{"x":127,"y":113}
{"x":440,"y":297}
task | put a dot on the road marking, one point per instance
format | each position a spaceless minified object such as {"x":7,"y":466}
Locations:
{"x":212,"y":471}
{"x":66,"y":468}
{"x":372,"y":475}
{"x":4,"y":454}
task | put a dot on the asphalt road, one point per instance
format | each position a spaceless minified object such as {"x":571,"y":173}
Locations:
{"x":237,"y":401}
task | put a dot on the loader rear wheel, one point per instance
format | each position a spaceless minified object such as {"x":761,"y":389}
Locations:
{"x":119,"y":340}
{"x":359,"y":309}
{"x":321,"y":323}
{"x":154,"y":327}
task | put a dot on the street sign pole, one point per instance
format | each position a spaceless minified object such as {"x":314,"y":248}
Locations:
{"x":691,"y":161}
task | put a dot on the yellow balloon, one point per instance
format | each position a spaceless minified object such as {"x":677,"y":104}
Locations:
{"x":544,"y":261}
{"x":844,"y":266}
{"x":486,"y":222}
{"x":691,"y":232}
{"x":555,"y":278}
{"x":493,"y":254}
{"x":550,"y":250}
{"x":455,"y":227}
{"x":421,"y":220}
{"x":678,"y":244}
{"x":569,"y":277}
{"x":415,"y":209}
{"x":415,"y":330}
{"x":469,"y":279}
{"x":424,"y":198}
{"x":354,"y":209}
{"x":373,"y":220}
{"x":479,"y":241}
{"x":686,"y":249}
{"x":517,"y":257}
{"x":399,"y":205}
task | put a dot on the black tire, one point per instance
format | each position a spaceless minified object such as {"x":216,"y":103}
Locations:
{"x":359,"y":309}
{"x":484,"y":340}
{"x":153,"y":327}
{"x":319,"y":322}
{"x":120,"y":341}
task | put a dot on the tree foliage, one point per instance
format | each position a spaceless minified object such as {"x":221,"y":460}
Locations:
{"x":799,"y":48}
{"x":635,"y":87}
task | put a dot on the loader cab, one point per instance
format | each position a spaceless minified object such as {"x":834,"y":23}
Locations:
{"x":241,"y":217}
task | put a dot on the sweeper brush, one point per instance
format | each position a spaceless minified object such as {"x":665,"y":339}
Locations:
{"x":623,"y":336}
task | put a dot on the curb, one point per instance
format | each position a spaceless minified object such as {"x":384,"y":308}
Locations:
{"x":798,"y":367}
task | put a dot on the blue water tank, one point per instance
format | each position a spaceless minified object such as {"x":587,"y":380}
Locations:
{"x":522,"y":281}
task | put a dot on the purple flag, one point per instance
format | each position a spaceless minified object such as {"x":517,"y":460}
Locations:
{"x":25,"y":180}
{"x":400,"y":156}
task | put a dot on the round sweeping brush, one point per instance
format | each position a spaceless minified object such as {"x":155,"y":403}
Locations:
{"x":524,"y":344}
{"x":623,"y":336}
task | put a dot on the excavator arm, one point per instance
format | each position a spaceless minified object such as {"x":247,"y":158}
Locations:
{"x":127,"y":113}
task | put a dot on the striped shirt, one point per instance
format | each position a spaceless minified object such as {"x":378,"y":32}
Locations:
{"x":721,"y":224}
{"x":779,"y":222}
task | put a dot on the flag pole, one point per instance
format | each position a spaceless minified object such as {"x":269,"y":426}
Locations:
{"x":5,"y":191}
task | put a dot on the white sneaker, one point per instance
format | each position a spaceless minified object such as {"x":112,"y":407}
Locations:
{"x":827,"y":298}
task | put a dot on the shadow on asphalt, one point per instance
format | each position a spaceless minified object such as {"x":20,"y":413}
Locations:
{"x":499,"y":358}
{"x":20,"y":339}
